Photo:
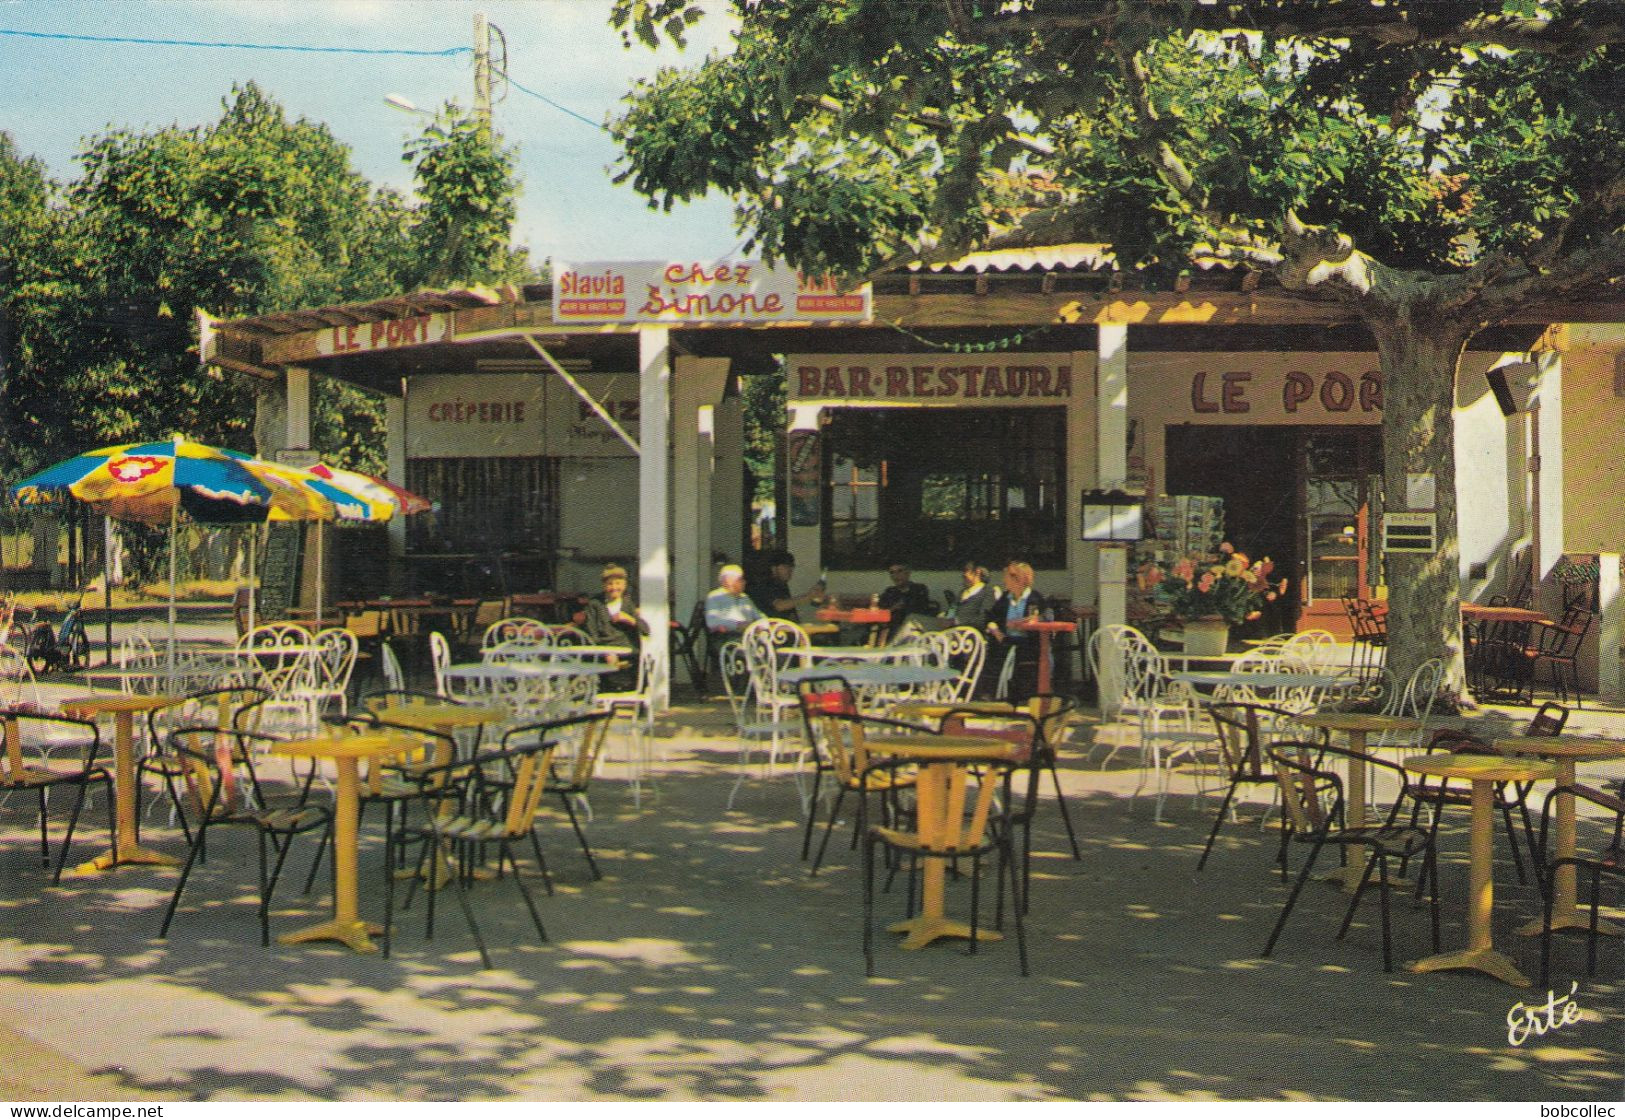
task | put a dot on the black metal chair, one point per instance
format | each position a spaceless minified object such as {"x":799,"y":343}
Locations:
{"x":590,"y":731}
{"x":1440,"y":795}
{"x":691,"y":642}
{"x":234,"y":707}
{"x":840,"y":738}
{"x":212,"y":758}
{"x":1312,"y":798}
{"x":1608,"y":860}
{"x":1242,"y":729}
{"x":489,"y":799}
{"x":26,"y":740}
{"x":1557,"y":645}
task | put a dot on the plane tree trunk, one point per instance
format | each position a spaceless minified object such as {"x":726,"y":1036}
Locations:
{"x":1419,"y":362}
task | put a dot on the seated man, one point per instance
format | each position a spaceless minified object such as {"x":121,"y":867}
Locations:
{"x":976,"y":600}
{"x":903,"y":598}
{"x":728,"y":610}
{"x":611,"y":619}
{"x":774,"y":597}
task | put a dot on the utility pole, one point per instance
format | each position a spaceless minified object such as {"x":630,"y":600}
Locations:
{"x":482,"y":69}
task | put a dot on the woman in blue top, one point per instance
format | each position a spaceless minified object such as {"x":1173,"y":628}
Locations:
{"x":1018,"y":600}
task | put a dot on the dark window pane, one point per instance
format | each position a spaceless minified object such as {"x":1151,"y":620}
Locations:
{"x":932,"y":487}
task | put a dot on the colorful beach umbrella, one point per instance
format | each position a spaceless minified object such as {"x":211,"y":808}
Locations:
{"x":406,"y":502}
{"x":156,"y":482}
{"x":153,"y":482}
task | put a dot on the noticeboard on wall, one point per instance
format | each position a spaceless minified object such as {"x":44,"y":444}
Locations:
{"x":803,"y":454}
{"x":279,"y":571}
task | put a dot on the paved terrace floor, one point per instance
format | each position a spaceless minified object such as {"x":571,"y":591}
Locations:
{"x":707,"y":964}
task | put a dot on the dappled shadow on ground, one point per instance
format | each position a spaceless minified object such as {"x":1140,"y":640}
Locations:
{"x":707,"y":964}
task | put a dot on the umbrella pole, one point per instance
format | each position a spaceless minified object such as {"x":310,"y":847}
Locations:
{"x":174,"y":520}
{"x":253,"y":585}
{"x":107,"y":591}
{"x":321,"y":571}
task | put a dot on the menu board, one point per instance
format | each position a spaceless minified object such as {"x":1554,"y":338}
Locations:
{"x":279,"y":569}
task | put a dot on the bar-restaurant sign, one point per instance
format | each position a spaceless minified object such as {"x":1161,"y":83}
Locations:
{"x":686,"y":292}
{"x":941,"y":379}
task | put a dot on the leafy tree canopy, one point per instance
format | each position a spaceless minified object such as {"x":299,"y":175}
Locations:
{"x":1434,"y":165}
{"x":1471,"y":139}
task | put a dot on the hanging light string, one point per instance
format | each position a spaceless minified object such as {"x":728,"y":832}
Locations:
{"x":1009,"y":342}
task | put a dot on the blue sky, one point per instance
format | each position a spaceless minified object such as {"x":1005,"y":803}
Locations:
{"x":54,"y":93}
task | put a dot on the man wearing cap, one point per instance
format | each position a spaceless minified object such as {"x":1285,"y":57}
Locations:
{"x":612,"y":619}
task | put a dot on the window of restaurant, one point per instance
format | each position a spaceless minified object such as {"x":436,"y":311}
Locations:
{"x":486,"y":510}
{"x":933,"y":487}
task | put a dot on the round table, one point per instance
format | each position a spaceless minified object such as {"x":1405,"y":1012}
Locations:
{"x":346,"y":751}
{"x":1563,"y":751}
{"x":123,"y":709}
{"x":1483,"y":771}
{"x":1046,"y":629}
{"x":1356,"y":725}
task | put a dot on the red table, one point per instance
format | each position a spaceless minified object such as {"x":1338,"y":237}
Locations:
{"x":1046,"y":632}
{"x":873,"y":617}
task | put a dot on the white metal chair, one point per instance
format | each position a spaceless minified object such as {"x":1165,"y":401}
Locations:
{"x":962,"y":648}
{"x":636,"y":707}
{"x":280,"y":657}
{"x":516,"y":628}
{"x":390,"y":666}
{"x":335,"y":664}
{"x":439,"y":659}
{"x":770,"y":645}
{"x":751,"y":726}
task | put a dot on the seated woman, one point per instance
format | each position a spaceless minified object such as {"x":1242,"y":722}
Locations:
{"x":612,"y":619}
{"x":1018,"y":600}
{"x":975,"y":604}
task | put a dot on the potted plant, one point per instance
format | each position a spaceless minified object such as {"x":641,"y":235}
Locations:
{"x":1209,"y":596}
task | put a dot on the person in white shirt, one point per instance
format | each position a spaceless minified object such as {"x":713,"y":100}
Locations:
{"x":728,"y":610}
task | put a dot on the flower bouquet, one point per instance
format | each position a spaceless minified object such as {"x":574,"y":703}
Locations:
{"x":1233,"y":589}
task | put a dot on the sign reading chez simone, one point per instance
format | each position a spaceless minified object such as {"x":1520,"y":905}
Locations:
{"x":698,"y":292}
{"x":940,"y":379}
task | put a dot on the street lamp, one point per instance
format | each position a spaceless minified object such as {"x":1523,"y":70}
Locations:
{"x":396,"y":101}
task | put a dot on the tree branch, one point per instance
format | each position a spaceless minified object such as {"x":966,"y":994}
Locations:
{"x":1599,"y":23}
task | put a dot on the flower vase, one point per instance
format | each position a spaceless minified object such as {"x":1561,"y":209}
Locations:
{"x":1206,"y":637}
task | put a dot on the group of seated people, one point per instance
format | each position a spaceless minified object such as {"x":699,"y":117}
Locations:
{"x":611,"y":617}
{"x":732,"y":606}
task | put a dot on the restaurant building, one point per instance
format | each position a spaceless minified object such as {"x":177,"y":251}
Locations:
{"x":953,"y":412}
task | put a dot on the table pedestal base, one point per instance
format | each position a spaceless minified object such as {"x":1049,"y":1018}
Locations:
{"x":1571,"y":919}
{"x":132,"y":854}
{"x":922,"y":931}
{"x":1496,"y":964}
{"x":356,"y":934}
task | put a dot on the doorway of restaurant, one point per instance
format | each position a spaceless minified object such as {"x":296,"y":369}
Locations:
{"x":1305,"y":497}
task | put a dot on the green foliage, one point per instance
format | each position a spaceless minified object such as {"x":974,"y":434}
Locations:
{"x":465,"y":177}
{"x":1433,"y":135}
{"x":251,"y":214}
{"x":764,"y":400}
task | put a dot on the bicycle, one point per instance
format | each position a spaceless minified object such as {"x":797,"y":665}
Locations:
{"x":65,"y":648}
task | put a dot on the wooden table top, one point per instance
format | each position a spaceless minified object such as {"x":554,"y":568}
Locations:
{"x":1484,"y":612}
{"x":1480,"y":767}
{"x":436,"y":716}
{"x":948,"y":748}
{"x":1561,"y":746}
{"x":1043,"y":626}
{"x":94,"y":705}
{"x":1358,"y":721}
{"x":855,"y":614}
{"x":365,"y":745}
